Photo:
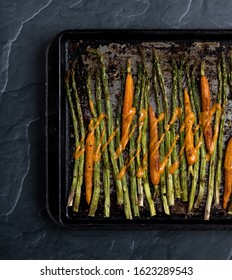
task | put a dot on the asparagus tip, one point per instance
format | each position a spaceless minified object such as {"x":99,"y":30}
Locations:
{"x":188,"y":65}
{"x":66,"y":76}
{"x":94,"y":52}
{"x":195,"y":65}
{"x":174,"y":63}
{"x":154,"y":52}
{"x":73,"y":66}
{"x":185,"y":58}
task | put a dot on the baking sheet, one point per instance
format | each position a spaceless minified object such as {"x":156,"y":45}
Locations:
{"x":117,"y":46}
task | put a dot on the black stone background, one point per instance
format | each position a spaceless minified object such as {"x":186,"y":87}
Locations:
{"x":26,"y":28}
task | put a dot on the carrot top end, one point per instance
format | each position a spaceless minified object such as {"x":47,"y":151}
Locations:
{"x":203,"y":68}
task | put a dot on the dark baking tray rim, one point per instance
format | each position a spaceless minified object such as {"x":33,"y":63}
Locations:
{"x":53,"y":176}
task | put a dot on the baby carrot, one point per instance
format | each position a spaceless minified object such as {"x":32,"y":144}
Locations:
{"x":89,"y":163}
{"x":228,"y":174}
{"x":128,"y":112}
{"x":154,"y":158}
{"x":128,"y":97}
{"x":206,"y":119}
{"x":191,"y":152}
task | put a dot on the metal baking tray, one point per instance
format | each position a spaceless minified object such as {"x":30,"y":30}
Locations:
{"x":58,"y":128}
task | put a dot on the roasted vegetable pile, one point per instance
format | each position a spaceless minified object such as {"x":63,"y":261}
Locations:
{"x":158,"y":150}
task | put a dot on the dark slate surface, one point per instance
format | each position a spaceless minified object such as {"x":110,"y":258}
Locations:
{"x":26,"y":231}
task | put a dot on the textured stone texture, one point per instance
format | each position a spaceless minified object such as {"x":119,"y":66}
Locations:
{"x":26,"y":231}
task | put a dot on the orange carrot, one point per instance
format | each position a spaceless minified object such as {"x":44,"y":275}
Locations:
{"x":89,"y":163}
{"x":128,"y":112}
{"x":228,"y":174}
{"x":205,"y":100}
{"x":191,"y":152}
{"x":154,"y":158}
{"x":128,"y":99}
